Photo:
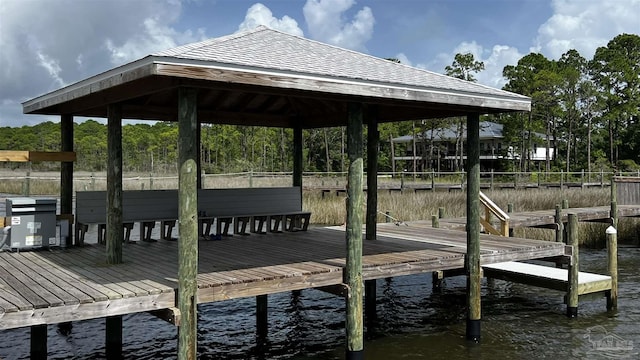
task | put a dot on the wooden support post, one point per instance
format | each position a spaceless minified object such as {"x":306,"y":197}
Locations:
{"x":559,"y":223}
{"x":187,"y":223}
{"x":113,"y":343}
{"x":298,"y":163}
{"x":373,"y":138}
{"x":199,"y":155}
{"x":297,"y":156}
{"x":39,"y":342}
{"x":115,"y":234}
{"x":509,"y":208}
{"x":262,"y":319}
{"x":472,"y":259}
{"x":613,"y":214}
{"x":491,"y":184}
{"x":433,"y":181}
{"x":574,"y":268}
{"x":612,"y":265}
{"x":565,"y":203}
{"x":441,"y":213}
{"x":371,"y":315}
{"x":435,"y":222}
{"x":66,"y":172}
{"x":436,"y":280}
{"x":355,"y":202}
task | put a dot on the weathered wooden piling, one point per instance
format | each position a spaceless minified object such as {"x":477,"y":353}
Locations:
{"x":115,"y":235}
{"x":614,"y":203}
{"x":262,"y":318}
{"x":441,"y":212}
{"x":373,"y":138}
{"x":436,"y":276}
{"x":39,"y":342}
{"x":370,"y":290}
{"x":472,"y":259}
{"x":574,"y":268}
{"x":113,"y":340}
{"x":559,"y":223}
{"x":114,"y":184}
{"x":188,"y":223}
{"x":612,"y":266}
{"x":355,"y":202}
{"x":66,"y":171}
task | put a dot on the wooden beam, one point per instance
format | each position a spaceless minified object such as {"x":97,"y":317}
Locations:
{"x":26,"y":156}
{"x":474,"y":273}
{"x":333,"y":87}
{"x":115,"y":234}
{"x":170,"y":315}
{"x":188,"y":223}
{"x":355,"y":201}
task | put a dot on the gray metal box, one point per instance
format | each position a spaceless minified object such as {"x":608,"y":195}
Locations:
{"x":33,"y":222}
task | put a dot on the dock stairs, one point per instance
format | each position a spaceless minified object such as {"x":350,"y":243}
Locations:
{"x":576,"y":284}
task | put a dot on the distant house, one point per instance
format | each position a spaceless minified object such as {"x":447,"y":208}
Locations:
{"x":414,"y":153}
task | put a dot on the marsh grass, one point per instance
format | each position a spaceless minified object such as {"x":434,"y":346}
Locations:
{"x":330,"y":209}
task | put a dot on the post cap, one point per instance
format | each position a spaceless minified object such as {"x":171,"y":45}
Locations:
{"x":611,"y":230}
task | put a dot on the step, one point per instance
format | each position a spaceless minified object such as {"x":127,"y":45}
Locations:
{"x":546,"y":276}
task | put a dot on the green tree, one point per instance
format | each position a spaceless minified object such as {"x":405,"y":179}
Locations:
{"x":615,"y":69}
{"x":464,"y":67}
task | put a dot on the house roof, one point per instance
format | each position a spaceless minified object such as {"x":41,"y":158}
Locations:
{"x":267,"y":77}
{"x":488,"y":130}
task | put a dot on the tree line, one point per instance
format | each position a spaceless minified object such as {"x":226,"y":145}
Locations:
{"x":587,"y":109}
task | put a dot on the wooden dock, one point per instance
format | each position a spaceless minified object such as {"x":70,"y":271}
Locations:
{"x":546,"y":218}
{"x":61,"y":285}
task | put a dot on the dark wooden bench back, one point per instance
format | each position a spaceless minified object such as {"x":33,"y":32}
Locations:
{"x":137,"y":205}
{"x":143,"y":205}
{"x":249,"y":201}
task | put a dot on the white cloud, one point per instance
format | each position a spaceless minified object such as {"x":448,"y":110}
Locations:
{"x":258,"y":14}
{"x":494,"y":59}
{"x":327,"y":22}
{"x":585,"y":25}
{"x":71,"y":40}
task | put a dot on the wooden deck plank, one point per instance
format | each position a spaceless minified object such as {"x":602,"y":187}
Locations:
{"x":82,"y":291}
{"x":34,"y":282}
{"x":251,"y":265}
{"x":51,"y":283}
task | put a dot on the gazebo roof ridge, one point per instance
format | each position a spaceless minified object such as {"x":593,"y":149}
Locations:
{"x":197,"y":51}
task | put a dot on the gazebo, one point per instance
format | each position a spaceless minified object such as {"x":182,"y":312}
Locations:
{"x":264,"y":77}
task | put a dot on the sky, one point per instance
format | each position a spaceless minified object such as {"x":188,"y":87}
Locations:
{"x":49,"y":44}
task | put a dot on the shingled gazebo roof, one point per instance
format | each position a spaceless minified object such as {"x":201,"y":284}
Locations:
{"x":270,"y":78}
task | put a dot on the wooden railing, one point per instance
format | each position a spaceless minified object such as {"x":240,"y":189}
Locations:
{"x":490,"y":208}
